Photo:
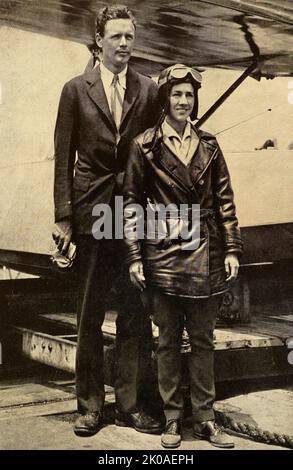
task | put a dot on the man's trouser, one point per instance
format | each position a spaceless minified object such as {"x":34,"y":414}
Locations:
{"x":199,"y":317}
{"x":101,"y":265}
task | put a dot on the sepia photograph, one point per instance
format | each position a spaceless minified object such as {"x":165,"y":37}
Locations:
{"x":146,"y":228}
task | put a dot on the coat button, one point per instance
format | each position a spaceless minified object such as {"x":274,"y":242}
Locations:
{"x":201,"y":182}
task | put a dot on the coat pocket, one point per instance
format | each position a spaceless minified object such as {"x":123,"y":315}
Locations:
{"x":81,"y":183}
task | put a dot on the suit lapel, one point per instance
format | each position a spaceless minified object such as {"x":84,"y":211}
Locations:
{"x":131,"y":93}
{"x":97,"y":94}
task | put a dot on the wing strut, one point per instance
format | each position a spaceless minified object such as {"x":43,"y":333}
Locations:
{"x":226,"y":94}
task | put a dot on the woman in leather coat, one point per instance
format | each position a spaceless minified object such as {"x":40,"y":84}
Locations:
{"x":188,"y":258}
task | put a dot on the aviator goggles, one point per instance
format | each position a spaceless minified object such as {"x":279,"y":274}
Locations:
{"x":179,"y":71}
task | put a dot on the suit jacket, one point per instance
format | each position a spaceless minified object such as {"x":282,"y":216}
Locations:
{"x":89,"y":165}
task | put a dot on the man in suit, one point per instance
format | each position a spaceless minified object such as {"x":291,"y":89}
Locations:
{"x":100,"y":112}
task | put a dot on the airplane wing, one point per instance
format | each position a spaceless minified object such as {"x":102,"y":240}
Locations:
{"x":206,"y":33}
{"x":231,"y":34}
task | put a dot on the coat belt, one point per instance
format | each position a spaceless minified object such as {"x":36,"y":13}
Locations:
{"x":186,"y":213}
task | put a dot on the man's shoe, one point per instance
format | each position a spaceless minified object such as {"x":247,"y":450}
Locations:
{"x":140,"y":421}
{"x":88,"y":424}
{"x":171,"y":437}
{"x":209,"y":431}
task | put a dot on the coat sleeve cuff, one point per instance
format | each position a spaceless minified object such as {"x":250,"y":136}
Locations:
{"x":63,"y":210}
{"x":133,"y":253}
{"x":234,"y":251}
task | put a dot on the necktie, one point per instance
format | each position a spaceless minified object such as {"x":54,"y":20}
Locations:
{"x":116,"y":101}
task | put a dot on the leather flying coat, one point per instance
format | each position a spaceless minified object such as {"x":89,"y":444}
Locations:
{"x":154,"y":176}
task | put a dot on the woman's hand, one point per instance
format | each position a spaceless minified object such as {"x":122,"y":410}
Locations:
{"x":231,"y":267}
{"x":136,"y":275}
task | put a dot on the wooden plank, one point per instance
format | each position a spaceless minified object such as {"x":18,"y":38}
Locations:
{"x":108,"y":327}
{"x":273,"y":329}
{"x":281,"y":323}
{"x":7,"y":384}
{"x":61,"y":318}
{"x":65,"y":406}
{"x":227,"y":339}
{"x":287,"y":318}
{"x":261,"y":332}
{"x":241,"y":336}
{"x":25,"y":394}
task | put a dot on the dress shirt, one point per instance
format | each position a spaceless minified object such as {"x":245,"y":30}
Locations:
{"x":107,"y":80}
{"x":183,"y":147}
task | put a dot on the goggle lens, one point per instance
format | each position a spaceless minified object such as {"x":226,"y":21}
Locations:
{"x":181,"y":72}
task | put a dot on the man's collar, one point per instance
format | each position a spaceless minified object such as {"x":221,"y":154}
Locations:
{"x":169,"y":131}
{"x":107,"y":75}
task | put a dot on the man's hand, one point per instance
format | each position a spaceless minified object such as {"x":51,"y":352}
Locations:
{"x":62,"y":235}
{"x":136,"y":275}
{"x":231,"y":267}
